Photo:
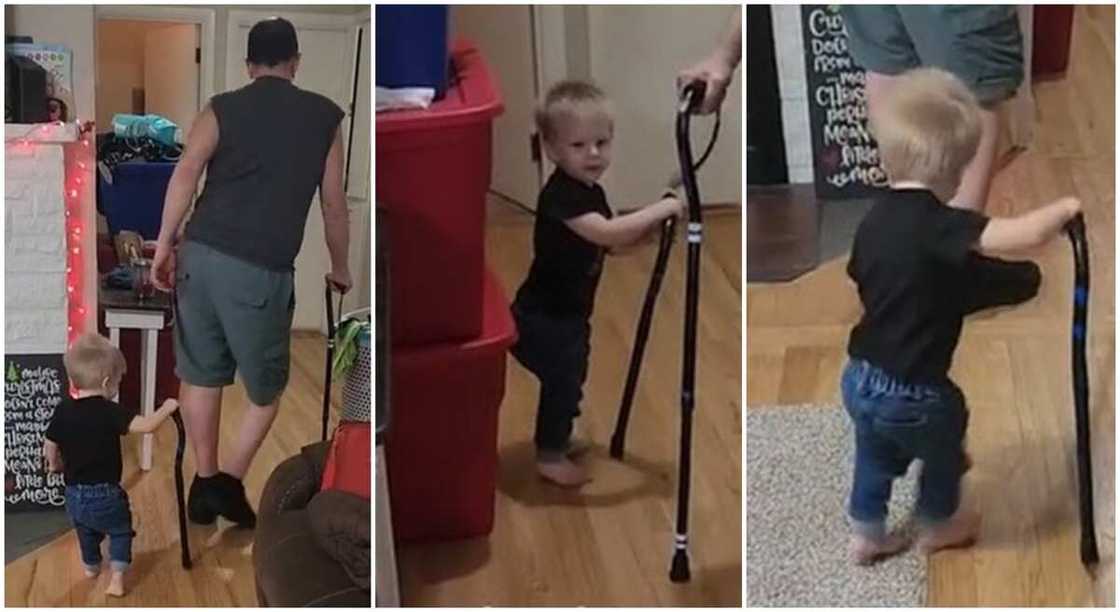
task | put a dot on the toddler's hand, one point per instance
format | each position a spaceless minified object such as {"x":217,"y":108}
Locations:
{"x":170,"y":405}
{"x":676,"y":206}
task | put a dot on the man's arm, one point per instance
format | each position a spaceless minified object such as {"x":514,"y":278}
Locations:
{"x":336,"y":216}
{"x":201,"y":144}
{"x":731,"y":47}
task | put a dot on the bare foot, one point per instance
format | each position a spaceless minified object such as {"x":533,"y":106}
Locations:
{"x":116,"y":585}
{"x":563,"y":473}
{"x":865,"y":551}
{"x":91,"y":571}
{"x":958,"y":531}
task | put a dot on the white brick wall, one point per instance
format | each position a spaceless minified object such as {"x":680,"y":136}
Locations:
{"x":34,"y":249}
{"x":793,"y":90}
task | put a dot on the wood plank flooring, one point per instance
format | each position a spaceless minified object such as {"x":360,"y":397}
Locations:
{"x":1013,"y":365}
{"x":609,"y":544}
{"x":223,"y":564}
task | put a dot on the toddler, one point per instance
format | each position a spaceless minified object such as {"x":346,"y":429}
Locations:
{"x":83,"y":442}
{"x":920,"y":267}
{"x":574,"y":228}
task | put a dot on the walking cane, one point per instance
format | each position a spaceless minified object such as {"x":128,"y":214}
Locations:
{"x":184,"y":542}
{"x":330,"y":354}
{"x":1076,"y":230}
{"x":618,"y":438}
{"x":637,"y":355}
{"x":690,"y":98}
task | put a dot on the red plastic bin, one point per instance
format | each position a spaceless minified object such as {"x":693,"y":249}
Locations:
{"x":442,"y":443}
{"x":433,"y":172}
{"x":1053,"y":29}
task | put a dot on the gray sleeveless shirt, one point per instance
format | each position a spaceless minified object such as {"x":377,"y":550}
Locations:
{"x":273,"y":140}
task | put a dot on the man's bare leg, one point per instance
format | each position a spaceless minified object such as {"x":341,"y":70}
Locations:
{"x":977,"y":177}
{"x":876,"y":87}
{"x":254,"y":427}
{"x":202,"y":413}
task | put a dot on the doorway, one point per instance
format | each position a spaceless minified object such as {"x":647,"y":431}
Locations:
{"x":148,"y":67}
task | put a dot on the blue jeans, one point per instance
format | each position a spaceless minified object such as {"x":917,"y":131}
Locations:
{"x":99,"y":510}
{"x":896,"y":423}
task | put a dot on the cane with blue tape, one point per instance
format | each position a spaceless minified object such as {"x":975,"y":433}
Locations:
{"x":1075,"y":229}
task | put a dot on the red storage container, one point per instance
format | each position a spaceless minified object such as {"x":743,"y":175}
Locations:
{"x":1053,"y":29}
{"x":433,"y":172}
{"x":441,"y":447}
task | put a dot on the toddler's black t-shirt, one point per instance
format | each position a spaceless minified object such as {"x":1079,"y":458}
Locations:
{"x":88,"y":431}
{"x":910,"y":261}
{"x":566,"y":268}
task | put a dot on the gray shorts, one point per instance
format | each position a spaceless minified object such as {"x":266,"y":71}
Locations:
{"x":980,"y":44}
{"x":232,"y":316}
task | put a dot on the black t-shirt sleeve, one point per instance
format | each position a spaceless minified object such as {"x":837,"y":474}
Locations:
{"x":955,"y":232}
{"x":334,"y":115}
{"x":122,"y":417}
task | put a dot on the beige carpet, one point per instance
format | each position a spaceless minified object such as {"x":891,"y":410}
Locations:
{"x":799,"y":473}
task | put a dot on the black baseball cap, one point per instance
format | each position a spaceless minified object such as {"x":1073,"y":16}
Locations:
{"x":272,"y":41}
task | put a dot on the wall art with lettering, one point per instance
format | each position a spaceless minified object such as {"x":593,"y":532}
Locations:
{"x":33,"y":386}
{"x":845,"y":158}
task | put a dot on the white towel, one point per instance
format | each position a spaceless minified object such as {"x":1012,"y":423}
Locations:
{"x":404,"y":98}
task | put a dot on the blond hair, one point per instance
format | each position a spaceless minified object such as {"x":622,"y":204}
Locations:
{"x":927,"y":128}
{"x":93,"y":363}
{"x":567,"y":98}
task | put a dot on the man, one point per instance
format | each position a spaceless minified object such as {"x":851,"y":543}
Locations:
{"x":979,"y":44}
{"x":266,"y":148}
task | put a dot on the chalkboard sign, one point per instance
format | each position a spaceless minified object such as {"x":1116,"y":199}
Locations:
{"x":33,"y":386}
{"x":845,"y":159}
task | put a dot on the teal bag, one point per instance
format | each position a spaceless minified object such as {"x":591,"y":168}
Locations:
{"x":155,"y":127}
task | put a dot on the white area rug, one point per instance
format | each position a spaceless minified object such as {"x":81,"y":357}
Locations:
{"x":799,"y":474}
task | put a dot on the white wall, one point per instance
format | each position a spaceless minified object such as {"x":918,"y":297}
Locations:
{"x":120,"y":67}
{"x":793,"y":91}
{"x":73,"y":27}
{"x":34,"y":250}
{"x":635,"y":52}
{"x":221,"y":26}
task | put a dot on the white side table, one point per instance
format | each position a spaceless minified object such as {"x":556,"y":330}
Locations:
{"x":148,"y":317}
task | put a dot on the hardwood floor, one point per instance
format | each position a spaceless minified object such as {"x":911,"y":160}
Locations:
{"x":609,"y":544}
{"x":1013,"y":365}
{"x":223,"y":555}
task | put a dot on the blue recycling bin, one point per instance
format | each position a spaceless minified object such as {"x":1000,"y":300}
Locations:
{"x":412,"y":46}
{"x":134,"y":199}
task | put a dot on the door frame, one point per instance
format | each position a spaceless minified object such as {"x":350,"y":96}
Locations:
{"x":203,"y":18}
